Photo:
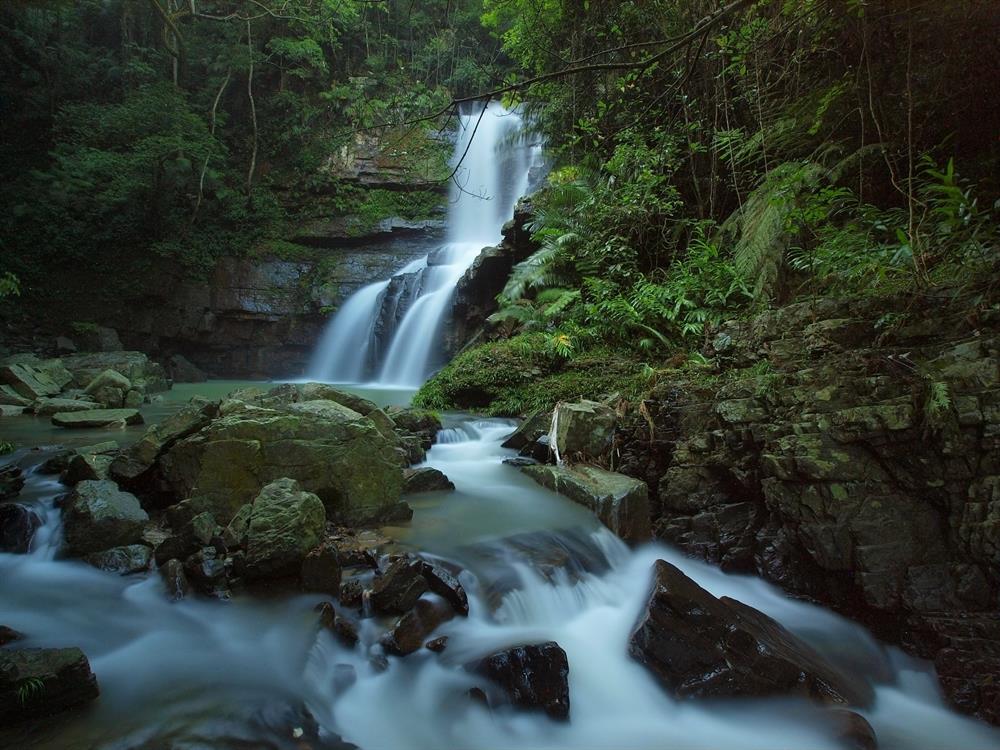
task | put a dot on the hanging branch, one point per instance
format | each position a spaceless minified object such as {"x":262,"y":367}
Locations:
{"x":211,"y":130}
{"x":253,"y":115}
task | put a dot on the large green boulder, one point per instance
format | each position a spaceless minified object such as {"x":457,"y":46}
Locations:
{"x":99,"y":516}
{"x":140,"y":457}
{"x":286,"y":524}
{"x":109,"y":388}
{"x":620,"y":502}
{"x":28,"y":382}
{"x":582,"y":430}
{"x":354,"y":469}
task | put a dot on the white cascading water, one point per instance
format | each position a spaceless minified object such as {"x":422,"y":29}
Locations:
{"x":491,"y":164}
{"x":227,"y":675}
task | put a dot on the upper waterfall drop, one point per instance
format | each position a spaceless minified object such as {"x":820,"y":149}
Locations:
{"x":389,"y":332}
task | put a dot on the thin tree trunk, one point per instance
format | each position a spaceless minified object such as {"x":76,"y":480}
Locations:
{"x":253,"y":116}
{"x":204,"y":166}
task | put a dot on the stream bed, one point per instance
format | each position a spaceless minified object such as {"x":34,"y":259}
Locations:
{"x":256,"y":673}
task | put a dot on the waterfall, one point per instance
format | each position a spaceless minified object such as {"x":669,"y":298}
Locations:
{"x":390,"y":332}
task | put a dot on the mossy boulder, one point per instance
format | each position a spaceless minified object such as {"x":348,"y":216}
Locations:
{"x":60,"y":678}
{"x":100,"y":516}
{"x":620,"y":502}
{"x":286,"y":524}
{"x":109,"y":388}
{"x":329,"y":450}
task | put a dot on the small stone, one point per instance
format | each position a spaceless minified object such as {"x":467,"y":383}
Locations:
{"x":533,"y":676}
{"x":437,"y":645}
{"x":133,"y":558}
{"x":408,"y":635}
{"x":425,"y":479}
{"x":342,"y":628}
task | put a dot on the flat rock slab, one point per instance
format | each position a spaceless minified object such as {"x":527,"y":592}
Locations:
{"x":620,"y":502}
{"x":46,"y":407}
{"x":96,"y":418}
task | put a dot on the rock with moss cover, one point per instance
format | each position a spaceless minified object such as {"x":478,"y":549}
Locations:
{"x":140,"y":457}
{"x":28,"y":382}
{"x":324,"y":392}
{"x":109,"y":388}
{"x":99,"y":516}
{"x":46,"y":407}
{"x":39,"y":682}
{"x":620,"y":502}
{"x":286,"y":524}
{"x":145,"y":375}
{"x":354,"y":469}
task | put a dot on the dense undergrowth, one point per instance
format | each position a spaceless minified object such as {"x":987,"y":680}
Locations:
{"x":769,"y":158}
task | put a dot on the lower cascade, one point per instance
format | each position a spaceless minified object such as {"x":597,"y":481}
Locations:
{"x":388,"y":332}
{"x":537,"y":569}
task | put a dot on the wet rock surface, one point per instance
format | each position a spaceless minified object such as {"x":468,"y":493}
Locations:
{"x":18,"y":525}
{"x":99,"y":516}
{"x":38,"y":682}
{"x":425,"y":479}
{"x":620,"y":502}
{"x":812,"y":453}
{"x":698,"y":646}
{"x":532,"y":677}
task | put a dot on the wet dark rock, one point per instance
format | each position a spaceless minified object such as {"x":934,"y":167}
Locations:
{"x":99,"y":516}
{"x":360,"y":549}
{"x":38,"y":682}
{"x":9,"y":635}
{"x":437,"y":645}
{"x":853,"y":730}
{"x":342,"y":628}
{"x":352,"y":593}
{"x":417,"y":422}
{"x":584,"y":429}
{"x":531,"y":428}
{"x":11,"y":481}
{"x":132,"y":558}
{"x":57,"y":462}
{"x":321,"y":570}
{"x":173,"y":547}
{"x":538,"y":450}
{"x":401,"y":512}
{"x":399,"y":587}
{"x":181,"y":370}
{"x":18,"y":525}
{"x":445,"y":585}
{"x":425,"y":479}
{"x":520,"y":461}
{"x":206,"y":570}
{"x":534,"y":676}
{"x":699,"y":646}
{"x":410,"y":631}
{"x":174,"y":578}
{"x":87,"y":466}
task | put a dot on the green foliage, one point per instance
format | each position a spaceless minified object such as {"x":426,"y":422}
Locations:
{"x":6,"y":447}
{"x":525,"y":373}
{"x":10,"y":286}
{"x":29,"y":688}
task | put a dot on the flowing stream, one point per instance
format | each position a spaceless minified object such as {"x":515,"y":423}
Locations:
{"x":389,"y":332}
{"x":537,"y":567}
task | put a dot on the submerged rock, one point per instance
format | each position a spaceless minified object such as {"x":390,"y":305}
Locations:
{"x":286,"y":523}
{"x":97,"y":418}
{"x":99,"y":516}
{"x":426,"y":479}
{"x":699,"y":646}
{"x":38,"y":682}
{"x":18,"y":525}
{"x":620,"y":502}
{"x":535,"y":676}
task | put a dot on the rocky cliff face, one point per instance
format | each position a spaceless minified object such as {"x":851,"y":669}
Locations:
{"x":255,"y":318}
{"x":851,"y":455}
{"x":475,"y":294}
